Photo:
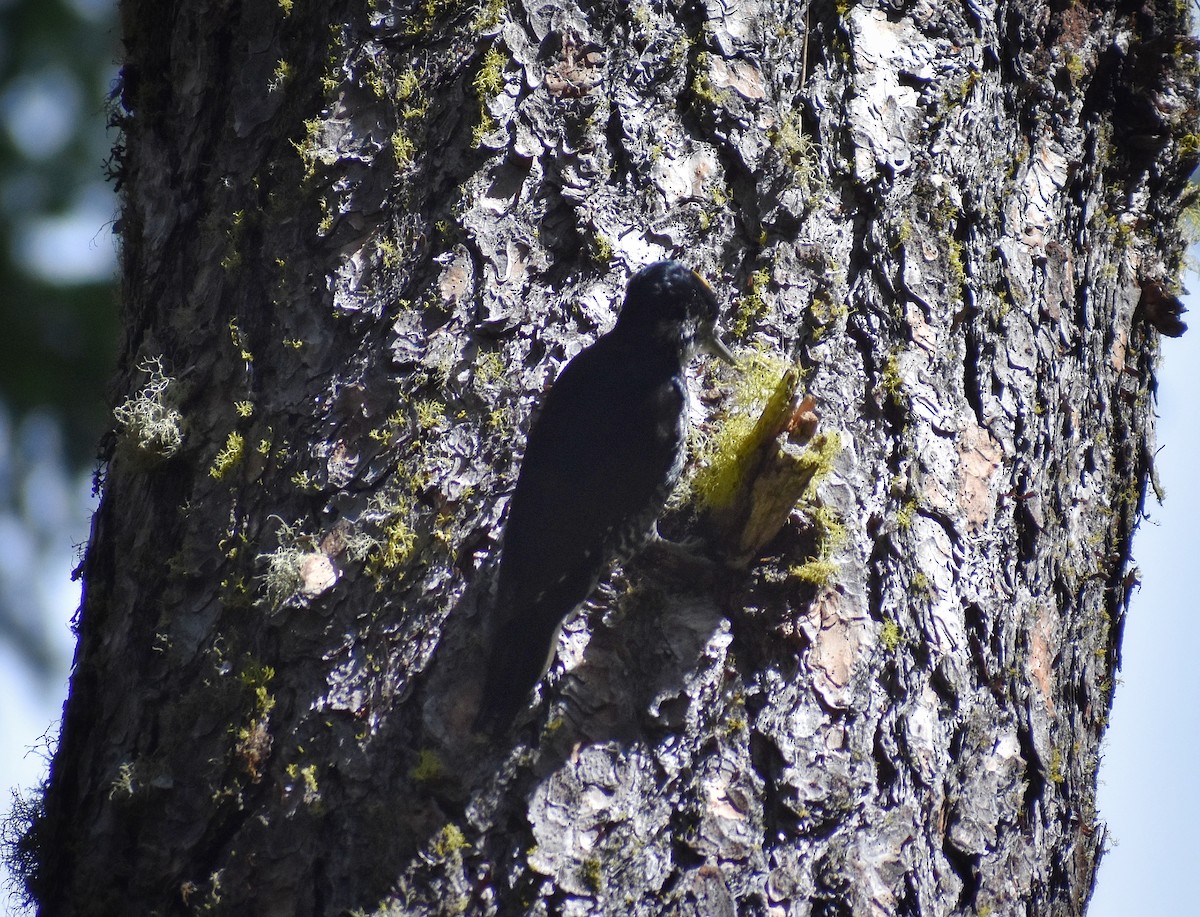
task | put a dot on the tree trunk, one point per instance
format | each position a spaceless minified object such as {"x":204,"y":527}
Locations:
{"x":360,"y":241}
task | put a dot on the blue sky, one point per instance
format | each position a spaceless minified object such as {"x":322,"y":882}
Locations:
{"x":1148,"y":776}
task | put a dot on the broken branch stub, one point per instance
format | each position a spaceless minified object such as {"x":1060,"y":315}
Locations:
{"x":772,"y":467}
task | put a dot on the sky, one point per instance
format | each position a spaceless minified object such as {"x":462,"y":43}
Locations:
{"x":1147,"y":791}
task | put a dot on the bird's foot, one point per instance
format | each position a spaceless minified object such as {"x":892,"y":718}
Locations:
{"x":689,"y":551}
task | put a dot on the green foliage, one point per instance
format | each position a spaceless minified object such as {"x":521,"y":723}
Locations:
{"x":830,"y":530}
{"x":58,"y":310}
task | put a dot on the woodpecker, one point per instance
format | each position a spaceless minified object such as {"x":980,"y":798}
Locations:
{"x":603,"y":456}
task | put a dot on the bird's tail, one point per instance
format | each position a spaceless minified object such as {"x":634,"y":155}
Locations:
{"x":519,"y":656}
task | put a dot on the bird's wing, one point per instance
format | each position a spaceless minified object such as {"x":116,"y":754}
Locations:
{"x":598,"y":454}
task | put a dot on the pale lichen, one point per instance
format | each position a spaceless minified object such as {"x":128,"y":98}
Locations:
{"x":148,"y":423}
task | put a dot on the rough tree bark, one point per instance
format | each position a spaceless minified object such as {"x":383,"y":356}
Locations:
{"x":359,"y":241}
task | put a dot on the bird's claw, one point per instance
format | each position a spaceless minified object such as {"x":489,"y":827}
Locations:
{"x":689,"y":550}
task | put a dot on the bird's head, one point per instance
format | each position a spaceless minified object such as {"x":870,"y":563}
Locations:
{"x":673,"y":305}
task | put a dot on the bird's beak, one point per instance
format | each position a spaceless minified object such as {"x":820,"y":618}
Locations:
{"x":714,"y":345}
{"x":711,"y":343}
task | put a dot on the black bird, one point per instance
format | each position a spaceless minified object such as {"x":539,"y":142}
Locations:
{"x":602,"y":458}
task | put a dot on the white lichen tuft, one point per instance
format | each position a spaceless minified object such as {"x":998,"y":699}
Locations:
{"x":147,"y":422}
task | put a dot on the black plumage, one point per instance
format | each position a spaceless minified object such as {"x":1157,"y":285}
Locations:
{"x":603,"y":455}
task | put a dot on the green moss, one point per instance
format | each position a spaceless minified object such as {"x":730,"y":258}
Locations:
{"x":229,"y":457}
{"x":604,"y":249}
{"x":429,"y":13}
{"x":1075,"y":67}
{"x":679,"y":49}
{"x":890,"y":636}
{"x":751,"y":305}
{"x":429,"y":767}
{"x":376,"y":83}
{"x":429,"y":413}
{"x":1188,"y":145}
{"x":310,"y":149}
{"x":258,"y":677}
{"x":488,"y":16}
{"x":827,"y":312}
{"x":389,"y":252}
{"x":309,"y":775}
{"x":412,"y":106}
{"x":1055,"y":772}
{"x":408,"y":90}
{"x":282,"y":75}
{"x":239,"y":341}
{"x":489,"y":367}
{"x":488,"y":83}
{"x":715,"y":484}
{"x":815,"y":572}
{"x":500,"y":419}
{"x":831,"y":532}
{"x":396,"y":422}
{"x":920,"y":585}
{"x":891,"y":382}
{"x":702,"y":88}
{"x":450,"y":842}
{"x":403,"y":149}
{"x":592,"y":872}
{"x":397,"y":547}
{"x":325,"y":224}
{"x":958,"y":271}
{"x":796,"y":149}
{"x":253,"y":745}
